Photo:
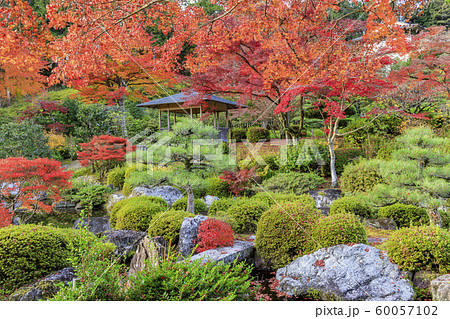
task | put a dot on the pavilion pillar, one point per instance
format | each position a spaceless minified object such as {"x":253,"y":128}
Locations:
{"x":226,"y":118}
{"x":159,"y":113}
{"x":200,"y":111}
{"x":190,"y":112}
{"x":215,"y":118}
{"x":168,"y":120}
{"x":174,"y":118}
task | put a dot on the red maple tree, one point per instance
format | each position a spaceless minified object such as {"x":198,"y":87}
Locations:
{"x":104,"y":151}
{"x":47,"y":113}
{"x":212,"y":234}
{"x":23,"y":184}
{"x":238,"y":180}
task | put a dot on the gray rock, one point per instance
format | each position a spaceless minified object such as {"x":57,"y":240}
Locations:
{"x":209,"y":200}
{"x":381,"y":223}
{"x":112,"y":199}
{"x":95,"y":224}
{"x":153,"y":249}
{"x":422,"y":279}
{"x":45,"y":288}
{"x":241,"y":250}
{"x":342,"y":272}
{"x":126,"y":241}
{"x":65,"y":207}
{"x":168,"y":193}
{"x":188,"y":234}
{"x":440,"y":288}
{"x":324,"y":198}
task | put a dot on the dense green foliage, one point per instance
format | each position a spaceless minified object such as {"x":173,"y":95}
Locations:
{"x":181,"y":204}
{"x":116,"y":177}
{"x":255,"y":134}
{"x":292,"y":182}
{"x":217,"y":187}
{"x":405,"y":215}
{"x":221,"y":205}
{"x":138,"y":216}
{"x":29,"y":252}
{"x":271,"y":198}
{"x":246,"y":214}
{"x":307,"y":156}
{"x":24,"y":139}
{"x":339,"y":229}
{"x":93,"y":195}
{"x":283,"y":233}
{"x":350,"y":205}
{"x":167,"y":224}
{"x":359,"y":178}
{"x":420,"y":248}
{"x":238,"y":134}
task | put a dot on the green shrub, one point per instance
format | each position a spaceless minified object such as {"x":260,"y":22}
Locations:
{"x":188,"y":281}
{"x":238,"y":134}
{"x":127,"y":189}
{"x":29,"y":252}
{"x":271,"y":198}
{"x":445,"y":219}
{"x":350,"y":205}
{"x":359,"y":178}
{"x":181,"y":204}
{"x":339,"y":229}
{"x":282,"y":234}
{"x":307,"y":156}
{"x":134,"y":201}
{"x":345,"y":156}
{"x":133,"y":168}
{"x":246,"y":215}
{"x":167,"y":224}
{"x":420,"y":248}
{"x":221,"y":205}
{"x":218,"y":187}
{"x":405,"y":215}
{"x":137,"y":217}
{"x":116,"y":177}
{"x":93,"y":194}
{"x":292,"y":182}
{"x":83,"y":171}
{"x":255,"y":134}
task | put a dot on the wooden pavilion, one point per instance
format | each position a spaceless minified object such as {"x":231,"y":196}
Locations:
{"x":173,"y":105}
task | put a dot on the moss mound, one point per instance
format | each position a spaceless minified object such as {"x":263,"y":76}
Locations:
{"x":134,"y":201}
{"x":246,"y":215}
{"x":350,"y":205}
{"x":405,"y":215}
{"x":167,"y":224}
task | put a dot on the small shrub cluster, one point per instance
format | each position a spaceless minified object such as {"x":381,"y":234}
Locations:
{"x":137,"y":217}
{"x":181,"y":204}
{"x":271,"y":198}
{"x":29,"y":252}
{"x":221,"y":205}
{"x":307,"y":156}
{"x":94,"y":195}
{"x":212,"y":234}
{"x":350,"y":205}
{"x":405,"y":215}
{"x":127,"y":189}
{"x":339,"y":229}
{"x":167,"y":224}
{"x":293,"y":182}
{"x":359,"y":178}
{"x":238,"y":134}
{"x":246,"y":214}
{"x":255,"y":134}
{"x":283,"y":232}
{"x":420,"y":248}
{"x":139,"y":204}
{"x":218,"y":187}
{"x":345,"y":156}
{"x":116,"y":177}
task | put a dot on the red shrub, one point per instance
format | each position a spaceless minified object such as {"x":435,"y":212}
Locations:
{"x":5,"y":217}
{"x":213,"y":233}
{"x":238,"y":180}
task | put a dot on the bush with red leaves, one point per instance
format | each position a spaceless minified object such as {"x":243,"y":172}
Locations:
{"x":213,"y":233}
{"x":5,"y":217}
{"x":238,"y":180}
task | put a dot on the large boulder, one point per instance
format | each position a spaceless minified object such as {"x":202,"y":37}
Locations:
{"x":440,"y":288}
{"x":346,"y":272}
{"x":94,"y":224}
{"x":112,"y":199}
{"x":45,"y":288}
{"x":241,"y":250}
{"x":188,"y":234}
{"x":209,"y":200}
{"x":153,"y":249}
{"x":126,"y":241}
{"x":380,"y":223}
{"x":324,"y":198}
{"x":168,"y":193}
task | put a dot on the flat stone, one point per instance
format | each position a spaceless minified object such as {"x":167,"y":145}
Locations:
{"x":168,"y":193}
{"x":346,"y":272}
{"x":240,"y":251}
{"x":95,"y":224}
{"x":126,"y":241}
{"x":324,"y":198}
{"x":440,"y":288}
{"x":65,"y":207}
{"x":380,"y":223}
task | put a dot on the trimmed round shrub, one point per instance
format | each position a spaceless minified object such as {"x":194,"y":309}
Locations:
{"x":405,"y":215}
{"x":350,"y":205}
{"x":116,"y":177}
{"x":283,"y":234}
{"x":339,"y":229}
{"x":254,"y":134}
{"x":167,"y":224}
{"x":212,"y":234}
{"x":137,"y":217}
{"x":359,"y":178}
{"x":218,"y":187}
{"x":293,"y":182}
{"x":238,"y":134}
{"x":29,"y":252}
{"x":221,"y":205}
{"x":93,"y":194}
{"x":278,"y":198}
{"x":246,"y":215}
{"x":420,"y":248}
{"x":134,"y":202}
{"x":181,"y":204}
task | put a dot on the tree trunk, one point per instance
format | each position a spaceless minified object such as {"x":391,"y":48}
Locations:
{"x":123,"y":120}
{"x":435,"y":217}
{"x":334,"y":178}
{"x":190,"y":202}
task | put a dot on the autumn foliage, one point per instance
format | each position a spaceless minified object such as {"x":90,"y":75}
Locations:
{"x":212,"y":234}
{"x":5,"y":217}
{"x":103,"y":151}
{"x":24,"y":181}
{"x":238,"y":180}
